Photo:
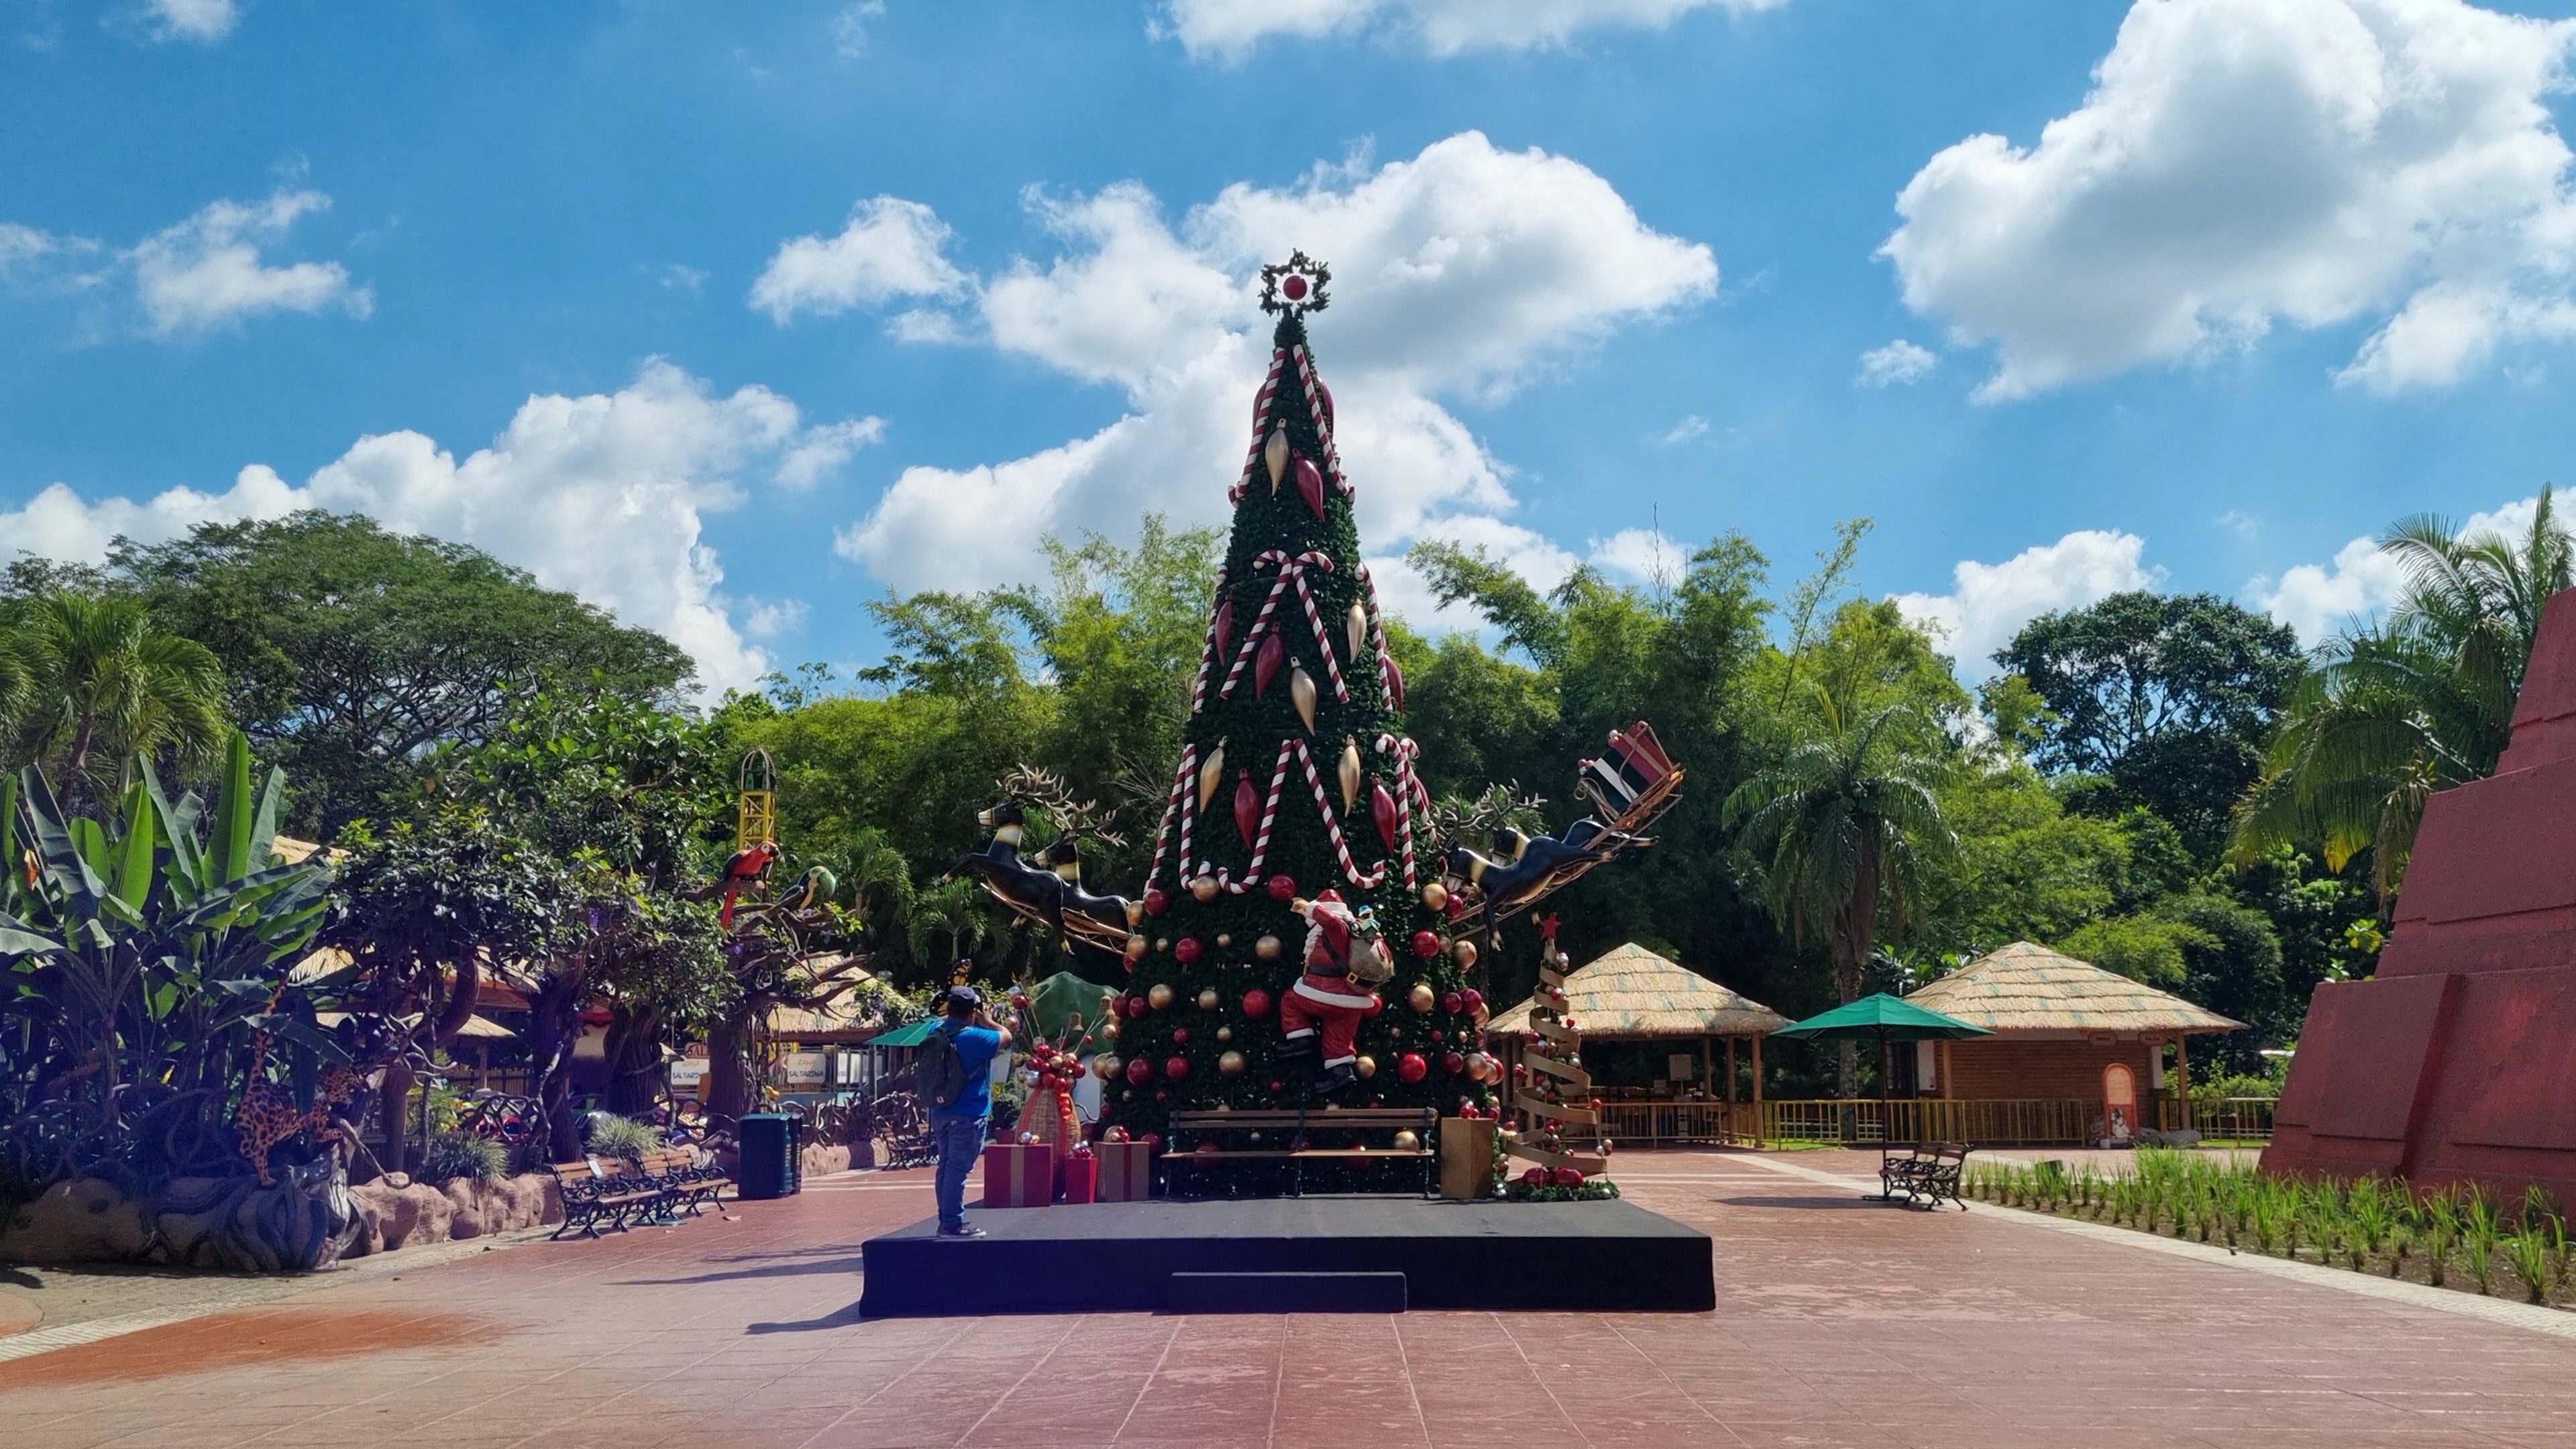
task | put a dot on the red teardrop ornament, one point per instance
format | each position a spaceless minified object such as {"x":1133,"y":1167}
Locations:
{"x":1382,"y":810}
{"x":1310,"y":485}
{"x":1247,"y":807}
{"x":1224,"y":626}
{"x":1265,"y":664}
{"x":1394,"y":675}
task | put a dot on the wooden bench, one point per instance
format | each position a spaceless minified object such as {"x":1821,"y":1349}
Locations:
{"x":604,"y":1189}
{"x":1927,"y":1175}
{"x":1205,"y":1154}
{"x":691,"y":1184}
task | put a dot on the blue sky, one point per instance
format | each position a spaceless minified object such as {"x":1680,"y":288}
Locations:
{"x":732,"y":317}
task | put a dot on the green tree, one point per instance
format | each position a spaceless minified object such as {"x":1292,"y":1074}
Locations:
{"x":353,"y":652}
{"x":1837,"y":827}
{"x":2416,"y":704}
{"x":100,"y":686}
{"x":2168,"y":696}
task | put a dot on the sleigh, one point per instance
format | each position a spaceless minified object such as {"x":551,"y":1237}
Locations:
{"x":1630,"y":786}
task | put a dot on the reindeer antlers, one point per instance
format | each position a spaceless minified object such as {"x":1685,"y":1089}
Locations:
{"x":1457,"y":819}
{"x":1073,"y":818}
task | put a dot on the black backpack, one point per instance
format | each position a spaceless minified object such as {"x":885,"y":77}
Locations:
{"x":940,"y":1074}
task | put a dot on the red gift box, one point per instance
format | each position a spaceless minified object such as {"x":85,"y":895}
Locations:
{"x":1077,"y":1179}
{"x":1126,"y":1171}
{"x":1017,"y":1176}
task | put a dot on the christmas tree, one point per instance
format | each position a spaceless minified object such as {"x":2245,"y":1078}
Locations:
{"x":1294,"y":864}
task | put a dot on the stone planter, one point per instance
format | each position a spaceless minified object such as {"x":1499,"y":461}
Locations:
{"x":301,"y":1222}
{"x":392,"y":1217}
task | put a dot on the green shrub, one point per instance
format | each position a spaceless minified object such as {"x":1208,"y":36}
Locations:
{"x":462,"y":1154}
{"x":612,"y":1136}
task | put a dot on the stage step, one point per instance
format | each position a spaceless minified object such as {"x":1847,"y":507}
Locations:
{"x":1286,"y":1293}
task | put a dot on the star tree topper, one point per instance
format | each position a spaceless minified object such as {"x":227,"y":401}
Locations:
{"x":1296,"y":286}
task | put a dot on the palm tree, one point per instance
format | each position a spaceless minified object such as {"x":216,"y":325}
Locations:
{"x":102,"y":686}
{"x":1838,"y":825}
{"x":2420,"y":702}
{"x":954,"y":909}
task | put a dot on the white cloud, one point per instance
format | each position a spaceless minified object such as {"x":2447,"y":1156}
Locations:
{"x":1990,"y":602}
{"x":2239,"y":522}
{"x":1645,"y":555}
{"x":1693,"y":426}
{"x":891,"y":248}
{"x":818,"y":452}
{"x":203,"y":21}
{"x":1461,"y":270}
{"x":1898,"y":362}
{"x":206,"y":271}
{"x":2361,"y":580}
{"x":23,"y":244}
{"x":2239,"y":162}
{"x":1230,"y":28}
{"x":603,"y":495}
{"x":770,"y":619}
{"x":683,"y":278}
{"x":850,"y":27}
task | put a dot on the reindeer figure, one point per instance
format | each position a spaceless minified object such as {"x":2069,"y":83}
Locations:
{"x":1529,"y":868}
{"x":1048,"y":890}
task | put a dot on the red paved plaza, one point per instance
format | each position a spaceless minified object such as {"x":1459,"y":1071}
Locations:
{"x":1838,"y":1323}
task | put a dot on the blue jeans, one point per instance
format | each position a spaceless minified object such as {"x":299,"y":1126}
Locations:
{"x":961,"y":1141}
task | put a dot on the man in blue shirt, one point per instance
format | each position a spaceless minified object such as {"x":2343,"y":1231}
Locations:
{"x":958,"y":1129}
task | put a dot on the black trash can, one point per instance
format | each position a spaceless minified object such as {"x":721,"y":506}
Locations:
{"x":770,"y":1159}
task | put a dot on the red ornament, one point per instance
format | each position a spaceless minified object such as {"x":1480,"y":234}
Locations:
{"x":1277,"y":1086}
{"x":1188,"y":950}
{"x":1535,"y":1177}
{"x":1176,"y":1068}
{"x":1568,"y":1177}
{"x":1266,"y":661}
{"x":1153,"y":1139}
{"x":1453,"y":1002}
{"x":1293,"y":287}
{"x":1156,"y":902}
{"x":1376,"y":1004}
{"x":1180,"y":1036}
{"x":1136,"y":1006}
{"x":1382,"y":810}
{"x":1472,"y":999}
{"x":1224,"y":626}
{"x":1256,"y":1003}
{"x":1247,"y":807}
{"x":1453,"y":1064}
{"x":1412,"y":1068}
{"x":1394,"y":676}
{"x":1425,"y":945}
{"x":1139,"y":1072}
{"x":1283,"y":889}
{"x":1310,"y":485}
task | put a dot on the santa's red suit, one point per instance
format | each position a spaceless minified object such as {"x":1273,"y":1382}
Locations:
{"x":1325,"y":999}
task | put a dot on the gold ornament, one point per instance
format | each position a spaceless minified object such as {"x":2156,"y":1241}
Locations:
{"x":1435,"y":895}
{"x":1301,"y":692}
{"x":1207,"y":999}
{"x":1211,"y":772}
{"x":1225,"y":1033}
{"x":1267,"y":948}
{"x":1479,"y":1067}
{"x":1350,"y":773}
{"x":1357,"y":629}
{"x":1105,"y":1067}
{"x":1465,"y":951}
{"x":1204,"y":889}
{"x":1162,"y":943}
{"x":1135,"y":948}
{"x":1274,"y":454}
{"x":1159,"y":997}
{"x":1366,"y":1067}
{"x":1230,"y":1064}
{"x":1407,"y":1141}
{"x":1109,"y":1029}
{"x":1422,"y":997}
{"x":1223,"y":940}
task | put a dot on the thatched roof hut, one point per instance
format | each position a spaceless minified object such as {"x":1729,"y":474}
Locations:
{"x":1631,"y":992}
{"x":2025,"y":989}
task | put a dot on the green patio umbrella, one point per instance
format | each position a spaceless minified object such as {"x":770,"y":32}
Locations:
{"x":906,"y":1036}
{"x":1881,"y":1018}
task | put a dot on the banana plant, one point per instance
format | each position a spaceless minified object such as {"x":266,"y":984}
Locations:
{"x":148,"y":948}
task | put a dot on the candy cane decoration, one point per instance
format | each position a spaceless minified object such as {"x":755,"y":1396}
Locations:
{"x":1291,"y":571}
{"x":1207,"y":646}
{"x":1323,"y":430}
{"x":1260,"y":425}
{"x":1408,"y":786}
{"x":1180,"y":791}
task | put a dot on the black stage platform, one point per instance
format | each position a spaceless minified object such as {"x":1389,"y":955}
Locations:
{"x":1263,"y":1256}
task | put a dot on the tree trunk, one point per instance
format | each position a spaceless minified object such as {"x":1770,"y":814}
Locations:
{"x":728,"y":1076}
{"x":1855,"y":930}
{"x":634,"y":1059}
{"x":554,"y":1023}
{"x":392,"y":1100}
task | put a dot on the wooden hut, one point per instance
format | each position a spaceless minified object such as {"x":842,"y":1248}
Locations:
{"x":2070,"y":1040}
{"x":1699,"y":1087}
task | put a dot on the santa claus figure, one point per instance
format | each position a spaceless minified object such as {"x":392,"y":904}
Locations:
{"x":1344,"y":957}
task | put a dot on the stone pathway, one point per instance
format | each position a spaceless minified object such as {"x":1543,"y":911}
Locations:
{"x":1839,"y":1323}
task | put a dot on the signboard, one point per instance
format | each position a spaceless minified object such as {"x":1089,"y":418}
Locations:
{"x":804,"y":1070}
{"x":1683,"y":1066}
{"x":2119,"y":1103}
{"x":687,"y":1072}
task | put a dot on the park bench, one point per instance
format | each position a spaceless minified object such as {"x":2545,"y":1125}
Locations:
{"x":1928,"y":1174}
{"x":1196,"y":1150}
{"x":691,"y":1184}
{"x":604,"y":1189}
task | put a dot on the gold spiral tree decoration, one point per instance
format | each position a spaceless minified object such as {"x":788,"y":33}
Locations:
{"x":1559,"y":1128}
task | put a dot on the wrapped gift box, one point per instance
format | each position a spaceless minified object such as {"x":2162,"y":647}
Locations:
{"x":1467,"y":1157}
{"x":1077,"y":1179}
{"x":1126,"y":1171}
{"x":1018,"y":1177}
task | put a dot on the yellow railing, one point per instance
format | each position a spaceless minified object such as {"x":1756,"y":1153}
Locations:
{"x":2240,"y":1119}
{"x":1858,"y":1121}
{"x":1648,"y":1124}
